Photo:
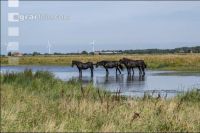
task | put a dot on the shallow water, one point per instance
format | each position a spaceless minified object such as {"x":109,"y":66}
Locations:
{"x":167,"y":83}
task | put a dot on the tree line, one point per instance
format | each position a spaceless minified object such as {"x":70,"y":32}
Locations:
{"x":131,"y":51}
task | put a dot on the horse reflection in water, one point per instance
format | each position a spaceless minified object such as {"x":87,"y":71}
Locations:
{"x":113,"y":82}
{"x":132,"y":78}
{"x":112,"y":79}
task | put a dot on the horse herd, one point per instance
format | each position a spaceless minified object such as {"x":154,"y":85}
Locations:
{"x":118,"y":65}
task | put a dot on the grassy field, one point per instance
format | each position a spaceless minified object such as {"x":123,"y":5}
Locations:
{"x":39,"y":102}
{"x":184,"y":62}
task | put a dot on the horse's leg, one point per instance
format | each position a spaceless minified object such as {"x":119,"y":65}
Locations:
{"x":107,"y":72}
{"x":140,"y":71}
{"x":133,"y":70}
{"x":105,"y":69}
{"x":127,"y":70}
{"x":80,"y":72}
{"x":119,"y":70}
{"x":143,"y":69}
{"x":130,"y":69}
{"x":91,"y":72}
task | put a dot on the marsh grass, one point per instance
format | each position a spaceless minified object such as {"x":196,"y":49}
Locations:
{"x":182,"y":62}
{"x":39,"y":102}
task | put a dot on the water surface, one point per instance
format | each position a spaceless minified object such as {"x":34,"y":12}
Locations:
{"x":167,"y":83}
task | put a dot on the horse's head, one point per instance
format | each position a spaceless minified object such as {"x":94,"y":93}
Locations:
{"x":121,"y":61}
{"x":73,"y":63}
{"x":126,"y":59}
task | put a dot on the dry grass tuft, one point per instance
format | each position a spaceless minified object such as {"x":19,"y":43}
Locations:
{"x":41,"y":105}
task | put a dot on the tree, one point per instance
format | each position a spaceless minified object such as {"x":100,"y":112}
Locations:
{"x":84,"y":52}
{"x":36,"y":53}
{"x":9,"y":53}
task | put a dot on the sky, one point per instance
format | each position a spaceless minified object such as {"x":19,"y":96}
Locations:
{"x":113,"y":25}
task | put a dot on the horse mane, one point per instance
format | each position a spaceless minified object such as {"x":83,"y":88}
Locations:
{"x":90,"y":63}
{"x":127,"y":59}
{"x":101,"y":62}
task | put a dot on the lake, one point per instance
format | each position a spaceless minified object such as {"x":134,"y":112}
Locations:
{"x":167,"y":83}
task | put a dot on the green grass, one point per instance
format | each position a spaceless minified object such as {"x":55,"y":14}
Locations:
{"x":39,"y":102}
{"x":178,"y":62}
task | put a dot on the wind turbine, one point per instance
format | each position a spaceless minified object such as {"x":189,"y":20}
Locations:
{"x":49,"y":47}
{"x":93,"y":45}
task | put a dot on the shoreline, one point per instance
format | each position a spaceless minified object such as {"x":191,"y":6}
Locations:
{"x":184,"y":70}
{"x":174,"y":62}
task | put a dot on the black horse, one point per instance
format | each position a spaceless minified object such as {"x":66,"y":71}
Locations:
{"x":82,"y":66}
{"x":142,"y":66}
{"x":131,"y":64}
{"x":110,"y":64}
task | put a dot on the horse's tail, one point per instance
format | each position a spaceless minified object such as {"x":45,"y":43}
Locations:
{"x":121,"y":66}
